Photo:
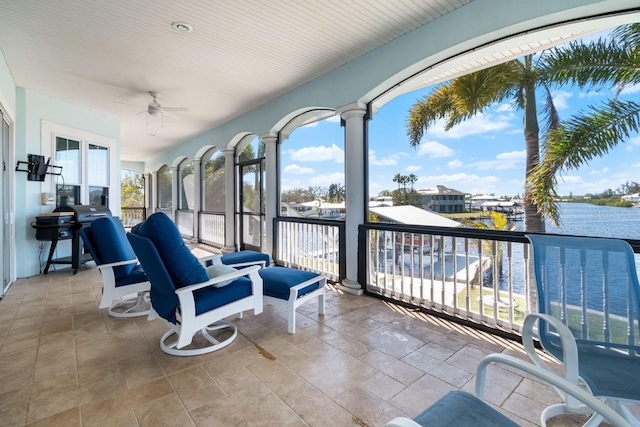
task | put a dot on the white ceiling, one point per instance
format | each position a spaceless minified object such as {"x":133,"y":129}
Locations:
{"x":106,"y":55}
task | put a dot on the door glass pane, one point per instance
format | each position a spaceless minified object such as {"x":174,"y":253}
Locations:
{"x":67,"y":195}
{"x":7,"y":249}
{"x":98,"y":166}
{"x":250,"y":189}
{"x":68,"y":156}
{"x":252,"y":230}
{"x":99,"y":196}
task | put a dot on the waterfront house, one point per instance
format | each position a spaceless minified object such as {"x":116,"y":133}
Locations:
{"x":442,"y":199}
{"x":94,"y":86}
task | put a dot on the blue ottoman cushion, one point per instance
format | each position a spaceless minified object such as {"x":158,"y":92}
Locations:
{"x":245,"y":256}
{"x":277,"y":281}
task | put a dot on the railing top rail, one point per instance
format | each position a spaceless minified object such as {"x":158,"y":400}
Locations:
{"x":184,"y":210}
{"x":472,"y":233}
{"x":213,"y":212}
{"x":319,"y":221}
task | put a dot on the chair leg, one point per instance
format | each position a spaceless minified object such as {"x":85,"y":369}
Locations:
{"x":132,"y":306}
{"x":291,"y":316}
{"x":321,"y":303}
{"x":172,"y":348}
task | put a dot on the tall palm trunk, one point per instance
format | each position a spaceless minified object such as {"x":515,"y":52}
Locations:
{"x":533,"y":220}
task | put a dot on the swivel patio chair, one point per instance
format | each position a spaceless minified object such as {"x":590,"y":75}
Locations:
{"x":588,"y":300}
{"x":189,"y":298}
{"x":122,"y":275}
{"x":459,"y":408}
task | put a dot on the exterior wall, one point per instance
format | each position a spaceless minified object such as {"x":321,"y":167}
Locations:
{"x":32,"y":109}
{"x":134,"y":166}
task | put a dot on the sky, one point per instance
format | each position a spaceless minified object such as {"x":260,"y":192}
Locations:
{"x":483,"y":155}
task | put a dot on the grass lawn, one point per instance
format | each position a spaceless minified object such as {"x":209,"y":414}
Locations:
{"x":474,"y":303}
{"x":463,"y":215}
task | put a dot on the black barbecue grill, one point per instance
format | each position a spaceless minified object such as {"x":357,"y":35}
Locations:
{"x":63,"y":224}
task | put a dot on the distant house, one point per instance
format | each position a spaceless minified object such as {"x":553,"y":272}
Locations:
{"x":478,"y":201}
{"x":442,"y":199}
{"x":633,"y":198}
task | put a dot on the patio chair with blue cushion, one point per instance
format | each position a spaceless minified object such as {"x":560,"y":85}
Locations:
{"x":190,"y":299}
{"x":459,"y":408}
{"x":122,"y":275}
{"x":588,"y":311}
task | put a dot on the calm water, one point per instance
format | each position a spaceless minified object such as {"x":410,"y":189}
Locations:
{"x":583,"y":219}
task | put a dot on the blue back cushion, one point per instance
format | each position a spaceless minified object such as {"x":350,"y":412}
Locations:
{"x":183,"y":267}
{"x":107,"y":242}
{"x":163,"y":293}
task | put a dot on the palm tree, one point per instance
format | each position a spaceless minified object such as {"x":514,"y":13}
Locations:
{"x":595,"y":132}
{"x":463,"y":97}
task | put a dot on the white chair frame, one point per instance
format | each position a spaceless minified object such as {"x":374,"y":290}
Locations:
{"x":110,"y":292}
{"x":294,"y":302}
{"x":189,"y":324}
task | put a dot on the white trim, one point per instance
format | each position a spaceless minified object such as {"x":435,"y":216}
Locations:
{"x":50,"y":130}
{"x":8,"y":117}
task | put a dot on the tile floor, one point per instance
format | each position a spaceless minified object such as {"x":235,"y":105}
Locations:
{"x":63,"y":362}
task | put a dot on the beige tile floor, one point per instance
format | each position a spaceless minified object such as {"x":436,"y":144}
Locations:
{"x":64,"y":362}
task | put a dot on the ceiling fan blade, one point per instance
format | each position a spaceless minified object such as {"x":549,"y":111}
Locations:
{"x":144,"y":111}
{"x":174,"y":109}
{"x":173,"y":116}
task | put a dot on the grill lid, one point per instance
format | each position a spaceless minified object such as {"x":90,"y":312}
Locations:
{"x":85,"y":213}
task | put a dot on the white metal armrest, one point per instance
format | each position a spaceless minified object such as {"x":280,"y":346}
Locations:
{"x":233,"y":275}
{"x":567,"y":340}
{"x":118,"y":264}
{"x":555,"y":380}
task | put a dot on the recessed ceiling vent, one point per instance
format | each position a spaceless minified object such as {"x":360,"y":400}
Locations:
{"x":183,"y":27}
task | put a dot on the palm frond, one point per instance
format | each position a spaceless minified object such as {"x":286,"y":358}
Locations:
{"x":627,"y":34}
{"x":462,"y":98}
{"x":552,"y":119}
{"x":600,"y":62}
{"x":577,"y":141}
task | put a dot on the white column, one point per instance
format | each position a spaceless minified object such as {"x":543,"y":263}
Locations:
{"x":153,"y":196}
{"x":355,"y":164}
{"x":271,"y":188}
{"x":197,"y":198}
{"x":174,"y":192}
{"x":230,"y":199}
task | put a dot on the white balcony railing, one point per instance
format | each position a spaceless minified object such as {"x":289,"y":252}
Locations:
{"x":184,"y":221}
{"x":212,"y":228}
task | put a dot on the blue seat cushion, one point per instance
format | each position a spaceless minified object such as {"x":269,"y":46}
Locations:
{"x":209,"y":298}
{"x":137,"y":276}
{"x":459,"y":408}
{"x":277,"y":281}
{"x":245,"y":256}
{"x":110,"y":244}
{"x":183,"y":267}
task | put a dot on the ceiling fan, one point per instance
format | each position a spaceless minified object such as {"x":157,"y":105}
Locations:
{"x":155,"y":109}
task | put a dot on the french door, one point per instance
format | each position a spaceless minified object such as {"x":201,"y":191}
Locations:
{"x":252,"y":205}
{"x":7,"y":223}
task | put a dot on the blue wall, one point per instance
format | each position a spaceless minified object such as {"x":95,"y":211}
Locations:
{"x":32,"y":109}
{"x":7,"y":85}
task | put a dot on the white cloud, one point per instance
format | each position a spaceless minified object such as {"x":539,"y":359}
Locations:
{"x":589,"y":94}
{"x":503,"y":161}
{"x":454,"y":164}
{"x":598,"y":172}
{"x":298,"y":170}
{"x":319,"y":153}
{"x":387,"y":161}
{"x":505,"y":107}
{"x":325,"y":180}
{"x":413,"y":168}
{"x":434,"y":149}
{"x":629,"y":89}
{"x":635,"y":165}
{"x":476,"y":125}
{"x":560,"y":98}
{"x":635,"y":140}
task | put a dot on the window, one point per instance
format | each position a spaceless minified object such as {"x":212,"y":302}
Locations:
{"x":213,"y":187}
{"x":85,"y":172}
{"x":164,"y":188}
{"x":186,"y":189}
